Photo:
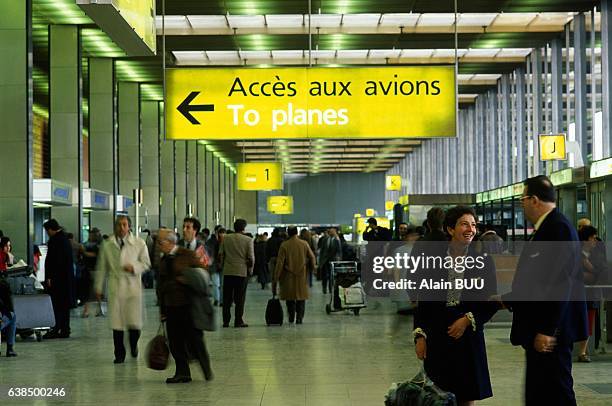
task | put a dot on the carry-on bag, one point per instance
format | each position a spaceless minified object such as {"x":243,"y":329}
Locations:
{"x":274,"y":312}
{"x":157,"y":350}
{"x":419,"y":391}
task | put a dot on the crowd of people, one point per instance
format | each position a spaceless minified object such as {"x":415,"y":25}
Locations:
{"x":199,"y":270}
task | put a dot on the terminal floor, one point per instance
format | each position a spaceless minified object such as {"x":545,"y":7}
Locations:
{"x":336,"y":359}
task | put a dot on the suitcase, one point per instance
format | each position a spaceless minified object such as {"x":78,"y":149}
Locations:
{"x":274,"y":312}
{"x":34,"y":313}
{"x":22,"y":285}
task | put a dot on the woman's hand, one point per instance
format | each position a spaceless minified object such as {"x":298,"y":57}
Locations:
{"x":457,"y":329}
{"x":421,"y":348}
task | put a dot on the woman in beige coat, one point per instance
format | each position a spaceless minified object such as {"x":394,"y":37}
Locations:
{"x":295,"y":260}
{"x":123,"y":257}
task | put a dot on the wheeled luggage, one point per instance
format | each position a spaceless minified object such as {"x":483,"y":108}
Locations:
{"x":274,"y":312}
{"x":34,"y":314}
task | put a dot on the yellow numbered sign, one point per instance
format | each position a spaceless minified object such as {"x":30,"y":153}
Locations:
{"x":259,"y":176}
{"x":389,"y":205}
{"x":369,"y":212}
{"x":552,"y":147}
{"x":280,"y":204}
{"x":394,"y":182}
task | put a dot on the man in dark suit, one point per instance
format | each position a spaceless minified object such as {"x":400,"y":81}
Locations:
{"x":330,"y":249}
{"x":547,"y":298}
{"x":59,"y":276}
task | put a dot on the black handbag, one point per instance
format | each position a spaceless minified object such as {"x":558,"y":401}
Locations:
{"x":157,"y":350}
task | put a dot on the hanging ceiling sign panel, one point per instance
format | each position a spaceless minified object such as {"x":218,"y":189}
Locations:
{"x":280,"y":204}
{"x":552,"y":147}
{"x":394,"y":182}
{"x":347,"y":102}
{"x":259,"y":176}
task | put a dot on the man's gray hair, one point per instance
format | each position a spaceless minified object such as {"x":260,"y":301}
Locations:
{"x":167,"y":234}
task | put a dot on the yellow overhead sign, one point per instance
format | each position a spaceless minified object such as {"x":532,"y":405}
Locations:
{"x":369,"y":212}
{"x":259,"y":176}
{"x":389,"y":205}
{"x":552,"y":147}
{"x":280,"y":204}
{"x":140,"y":15}
{"x":354,"y":102}
{"x":403,"y":200}
{"x":394,"y":182}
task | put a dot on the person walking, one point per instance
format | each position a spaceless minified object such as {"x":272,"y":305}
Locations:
{"x":181,"y":290}
{"x":123,"y":258}
{"x":90,"y":258}
{"x":330,"y":250}
{"x":8,"y":321}
{"x":59,"y":277}
{"x":295,"y":260}
{"x":237,"y":258}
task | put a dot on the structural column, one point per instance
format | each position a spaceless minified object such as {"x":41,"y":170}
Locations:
{"x":129,"y":153}
{"x":556,"y":48}
{"x":536,"y":89}
{"x":149,"y":211}
{"x":101,"y":139}
{"x":192,"y":180}
{"x":180,"y":190}
{"x":201,"y":183}
{"x":520,"y":142}
{"x":209,"y":187}
{"x":65,"y":120}
{"x":606,"y":67}
{"x":16,"y":213}
{"x":166,"y":183}
{"x":580,"y":90}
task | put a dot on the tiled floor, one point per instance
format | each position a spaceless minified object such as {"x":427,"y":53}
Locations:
{"x":337,"y":359}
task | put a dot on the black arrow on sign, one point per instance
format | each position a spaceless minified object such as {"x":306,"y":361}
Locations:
{"x":185,"y":108}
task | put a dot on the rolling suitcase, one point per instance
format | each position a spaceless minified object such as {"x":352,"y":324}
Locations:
{"x":274,"y":312}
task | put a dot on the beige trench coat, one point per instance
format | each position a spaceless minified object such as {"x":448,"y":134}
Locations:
{"x":125,"y":304}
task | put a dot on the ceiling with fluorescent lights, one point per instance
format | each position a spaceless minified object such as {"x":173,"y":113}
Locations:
{"x":494,"y":37}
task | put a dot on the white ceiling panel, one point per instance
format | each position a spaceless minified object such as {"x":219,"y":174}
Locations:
{"x":207,"y":21}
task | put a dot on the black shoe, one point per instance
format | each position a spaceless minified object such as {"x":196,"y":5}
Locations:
{"x":291,"y":321}
{"x":178,"y":379}
{"x":134,"y":352}
{"x":216,"y":303}
{"x":119,"y":361}
{"x":10,"y":352}
{"x":63,"y":334}
{"x":298,"y":321}
{"x":209,"y":376}
{"x":225,"y":325}
{"x":241,"y":325}
{"x":51,"y":334}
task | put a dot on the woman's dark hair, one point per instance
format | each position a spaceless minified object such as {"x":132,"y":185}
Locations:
{"x":4,"y":242}
{"x":586,"y":232}
{"x":455,"y":213}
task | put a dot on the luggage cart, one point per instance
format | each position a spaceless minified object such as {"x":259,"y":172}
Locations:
{"x":347,"y":290}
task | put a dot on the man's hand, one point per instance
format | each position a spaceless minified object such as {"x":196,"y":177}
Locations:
{"x":48,"y":283}
{"x":421,"y":348}
{"x":457,"y":329}
{"x":129,"y":268}
{"x":544,"y":343}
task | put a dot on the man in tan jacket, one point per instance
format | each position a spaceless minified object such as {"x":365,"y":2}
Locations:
{"x":237,"y":256}
{"x":295,"y":260}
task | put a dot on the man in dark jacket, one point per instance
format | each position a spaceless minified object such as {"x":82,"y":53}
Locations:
{"x":547,"y":298}
{"x":175,"y":299}
{"x":59,"y":276}
{"x":8,"y":325}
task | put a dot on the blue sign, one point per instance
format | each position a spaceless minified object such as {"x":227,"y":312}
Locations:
{"x":61,"y":193}
{"x":100,"y":200}
{"x":127,"y":203}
